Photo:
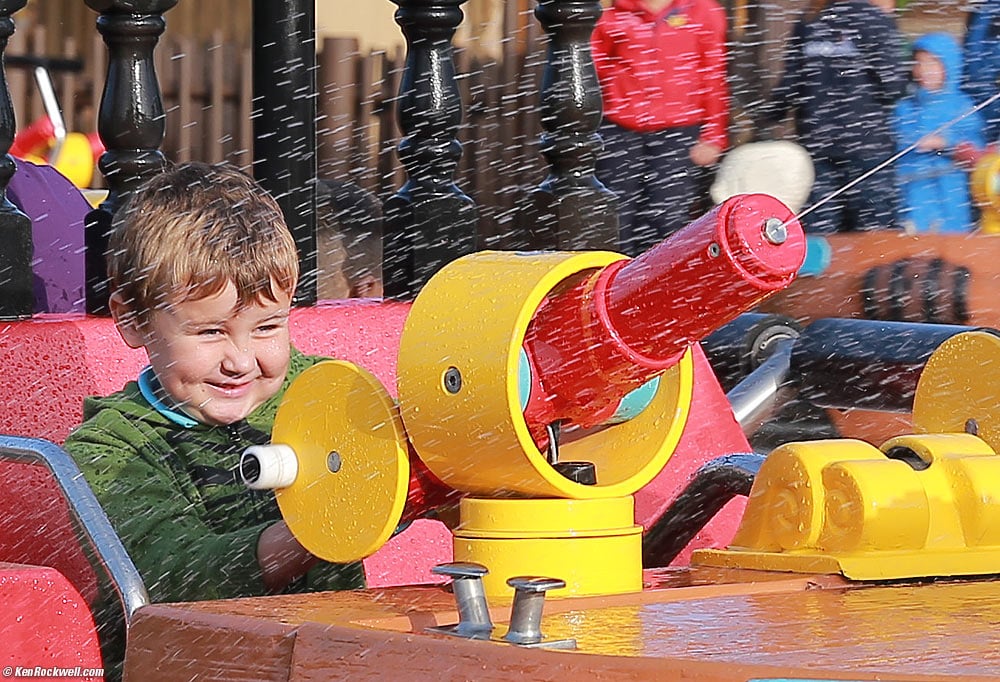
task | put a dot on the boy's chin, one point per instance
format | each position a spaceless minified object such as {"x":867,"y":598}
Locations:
{"x":226,"y":416}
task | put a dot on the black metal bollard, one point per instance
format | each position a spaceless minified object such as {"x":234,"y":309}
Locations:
{"x":571,"y":209}
{"x":17,"y":299}
{"x":429,"y":221}
{"x":130,"y":121}
{"x":284,"y":121}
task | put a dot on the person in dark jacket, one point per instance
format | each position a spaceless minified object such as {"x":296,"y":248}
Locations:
{"x":202,"y":270}
{"x":981,"y":78}
{"x":662,"y":68}
{"x":935,"y":188}
{"x":843,"y":72}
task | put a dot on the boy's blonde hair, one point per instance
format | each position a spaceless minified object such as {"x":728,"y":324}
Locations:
{"x":188,"y":231}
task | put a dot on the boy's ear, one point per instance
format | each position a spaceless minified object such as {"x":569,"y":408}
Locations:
{"x":126,"y":321}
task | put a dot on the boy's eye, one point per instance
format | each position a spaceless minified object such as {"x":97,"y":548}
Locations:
{"x":209,"y":332}
{"x":270,"y":327}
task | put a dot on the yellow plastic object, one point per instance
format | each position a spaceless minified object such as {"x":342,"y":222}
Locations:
{"x":959,"y":388}
{"x":471,"y":318}
{"x":592,"y":544}
{"x":354,"y":469}
{"x":76,"y":159}
{"x":985,"y":185}
{"x":95,"y":197}
{"x":922,"y":505}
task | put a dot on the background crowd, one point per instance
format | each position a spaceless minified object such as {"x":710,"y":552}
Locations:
{"x":857,"y":94}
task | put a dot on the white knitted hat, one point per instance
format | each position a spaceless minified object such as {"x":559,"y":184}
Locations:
{"x":780,"y":168}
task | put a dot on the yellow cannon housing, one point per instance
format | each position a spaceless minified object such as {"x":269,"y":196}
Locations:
{"x":459,"y":407}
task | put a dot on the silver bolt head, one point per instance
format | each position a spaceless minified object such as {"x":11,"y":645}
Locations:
{"x":775,"y":231}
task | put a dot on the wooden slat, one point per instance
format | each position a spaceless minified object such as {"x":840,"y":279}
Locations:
{"x":488,"y":136}
{"x":96,"y":69}
{"x":466,"y":75}
{"x":185,"y":107}
{"x":18,"y":80}
{"x":36,"y":41}
{"x":215,"y":111}
{"x":391,"y":175}
{"x":364,"y":163}
{"x":244,"y":157}
{"x":338,"y":94}
{"x":66,"y":85}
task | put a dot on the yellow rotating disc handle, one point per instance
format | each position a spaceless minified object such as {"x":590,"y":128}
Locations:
{"x":353,"y":467}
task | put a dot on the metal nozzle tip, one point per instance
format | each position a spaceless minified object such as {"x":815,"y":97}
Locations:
{"x":774,"y":231}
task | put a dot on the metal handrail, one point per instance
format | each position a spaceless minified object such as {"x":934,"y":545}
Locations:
{"x":93,"y":522}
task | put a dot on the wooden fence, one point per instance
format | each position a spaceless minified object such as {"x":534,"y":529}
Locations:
{"x":206,"y":90}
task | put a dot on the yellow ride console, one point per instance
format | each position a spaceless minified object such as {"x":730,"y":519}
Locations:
{"x":985,"y":185}
{"x":921,"y":505}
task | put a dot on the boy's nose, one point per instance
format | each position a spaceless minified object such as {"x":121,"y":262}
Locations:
{"x":239,"y":358}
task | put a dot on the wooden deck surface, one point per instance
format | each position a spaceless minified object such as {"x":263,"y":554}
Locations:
{"x":698,"y":624}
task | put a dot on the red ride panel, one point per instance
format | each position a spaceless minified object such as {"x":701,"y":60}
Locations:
{"x":52,"y":362}
{"x":45,"y":622}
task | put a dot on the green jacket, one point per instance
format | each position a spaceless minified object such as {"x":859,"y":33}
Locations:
{"x":173,"y":495}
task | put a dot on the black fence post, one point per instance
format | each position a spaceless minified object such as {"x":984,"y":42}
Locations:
{"x":130,"y":121}
{"x":429,"y":221}
{"x":17,"y":298}
{"x":284,"y":121}
{"x":571,"y":209}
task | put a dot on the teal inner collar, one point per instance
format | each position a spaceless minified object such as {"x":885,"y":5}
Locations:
{"x":148,"y":383}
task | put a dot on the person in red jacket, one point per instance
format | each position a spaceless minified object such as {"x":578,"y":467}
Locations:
{"x":662,"y":68}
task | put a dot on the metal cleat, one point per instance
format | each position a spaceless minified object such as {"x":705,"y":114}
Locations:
{"x":470,"y":598}
{"x":526,"y":613}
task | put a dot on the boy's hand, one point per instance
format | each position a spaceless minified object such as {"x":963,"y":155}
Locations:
{"x":705,"y":154}
{"x":281,"y":557}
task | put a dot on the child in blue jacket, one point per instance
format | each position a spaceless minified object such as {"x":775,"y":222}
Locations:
{"x":935,"y":189}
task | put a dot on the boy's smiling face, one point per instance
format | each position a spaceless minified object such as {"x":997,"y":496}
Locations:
{"x":216,"y":361}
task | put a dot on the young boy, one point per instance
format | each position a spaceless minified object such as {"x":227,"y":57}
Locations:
{"x":202,"y":268}
{"x":934,"y":185}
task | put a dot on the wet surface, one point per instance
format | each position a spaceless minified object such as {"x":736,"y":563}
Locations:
{"x":945,"y":628}
{"x":706,"y":624}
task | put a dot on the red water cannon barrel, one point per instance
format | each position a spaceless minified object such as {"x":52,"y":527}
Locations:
{"x":593,"y":343}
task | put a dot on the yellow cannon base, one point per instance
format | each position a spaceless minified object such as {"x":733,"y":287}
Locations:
{"x":592,"y":544}
{"x":921,"y":506}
